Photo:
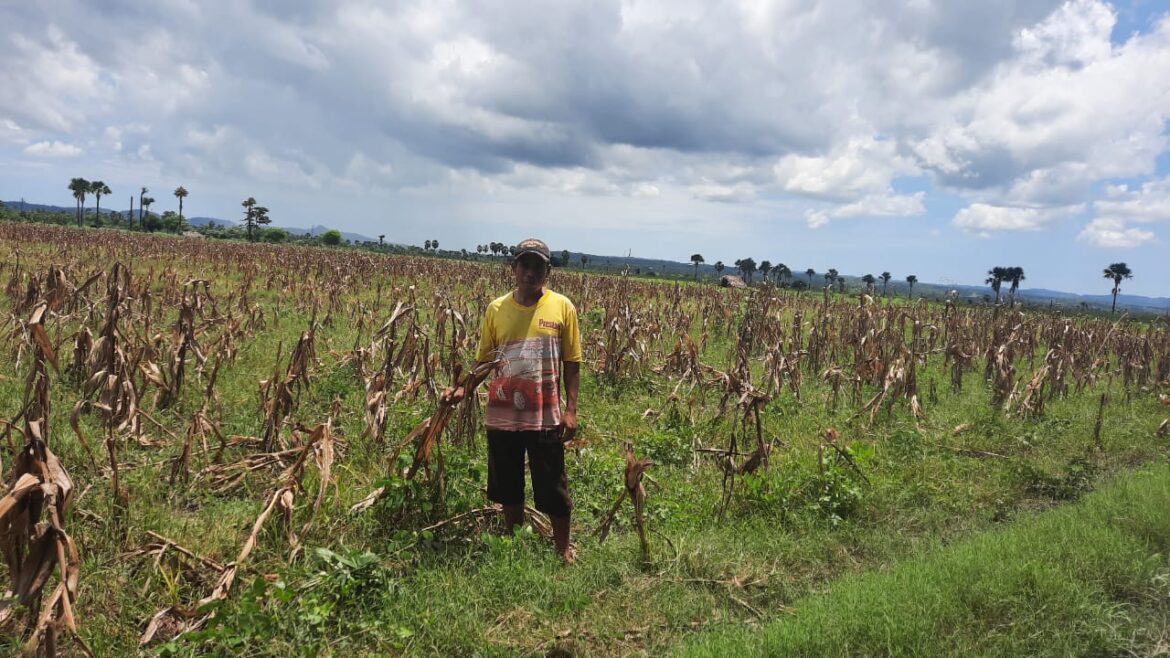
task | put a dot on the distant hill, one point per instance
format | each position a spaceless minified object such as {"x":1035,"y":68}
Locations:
{"x":318,"y":230}
{"x":204,"y":221}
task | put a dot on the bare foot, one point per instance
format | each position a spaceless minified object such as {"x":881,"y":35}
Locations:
{"x":569,"y":556}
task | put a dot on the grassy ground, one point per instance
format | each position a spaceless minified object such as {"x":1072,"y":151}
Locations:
{"x":375,"y":583}
{"x":1091,"y":579}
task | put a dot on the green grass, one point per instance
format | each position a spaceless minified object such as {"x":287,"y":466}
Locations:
{"x":1091,"y":579}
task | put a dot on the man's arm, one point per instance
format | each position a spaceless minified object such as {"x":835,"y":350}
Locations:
{"x":571,"y":376}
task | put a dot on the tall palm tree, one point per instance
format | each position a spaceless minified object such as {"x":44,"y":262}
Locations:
{"x":145,"y":204}
{"x":765,"y":267}
{"x":427,"y":245}
{"x":783,"y":273}
{"x":911,"y":280}
{"x":180,"y":194}
{"x":80,"y":188}
{"x":747,"y":266}
{"x":383,"y":237}
{"x":99,"y":189}
{"x":719,"y":267}
{"x":249,"y":205}
{"x":1117,"y":272}
{"x":995,"y":278}
{"x":1015,"y":275}
{"x":831,"y":277}
{"x":885,"y":277}
{"x":697,"y":259}
{"x":810,"y":272}
{"x":141,"y":220}
{"x":869,"y":280}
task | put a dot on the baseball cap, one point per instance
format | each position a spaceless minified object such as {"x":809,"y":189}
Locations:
{"x":533,"y":246}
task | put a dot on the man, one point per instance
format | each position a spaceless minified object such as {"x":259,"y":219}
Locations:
{"x":534,"y":335}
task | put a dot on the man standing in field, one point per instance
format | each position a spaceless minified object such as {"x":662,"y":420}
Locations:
{"x":534,"y":335}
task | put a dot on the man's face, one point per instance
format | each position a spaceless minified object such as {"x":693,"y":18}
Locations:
{"x":530,"y":271}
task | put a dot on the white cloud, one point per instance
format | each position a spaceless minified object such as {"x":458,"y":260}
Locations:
{"x":1113,"y":234}
{"x":1149,"y":203}
{"x":737,"y":193}
{"x":10,"y":131}
{"x":983,"y":218}
{"x":364,"y":171}
{"x":52,"y":150}
{"x":816,"y":218}
{"x":862,"y":165}
{"x":285,"y":172}
{"x":1068,"y":110}
{"x":1122,"y":207}
{"x":884,"y":205}
{"x":874,"y":205}
{"x":48,"y":81}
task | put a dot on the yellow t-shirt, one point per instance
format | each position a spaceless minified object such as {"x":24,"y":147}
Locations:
{"x":531,"y":343}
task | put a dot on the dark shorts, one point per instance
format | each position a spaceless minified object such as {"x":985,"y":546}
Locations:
{"x":546,"y":460}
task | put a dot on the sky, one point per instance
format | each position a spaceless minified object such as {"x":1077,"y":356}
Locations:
{"x":929,"y":137}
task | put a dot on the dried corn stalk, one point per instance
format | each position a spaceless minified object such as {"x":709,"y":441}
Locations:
{"x":636,"y":492}
{"x":32,"y":524}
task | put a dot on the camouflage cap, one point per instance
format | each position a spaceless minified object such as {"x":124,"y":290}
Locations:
{"x":533,"y":246}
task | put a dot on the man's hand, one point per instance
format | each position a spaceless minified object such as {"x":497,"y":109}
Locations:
{"x":453,"y":395}
{"x":568,"y":425}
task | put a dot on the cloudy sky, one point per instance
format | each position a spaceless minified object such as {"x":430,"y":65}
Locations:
{"x":934,"y":137}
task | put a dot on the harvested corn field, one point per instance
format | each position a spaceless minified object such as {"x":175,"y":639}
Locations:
{"x":229,"y":449}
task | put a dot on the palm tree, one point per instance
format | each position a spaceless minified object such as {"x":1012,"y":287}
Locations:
{"x":249,"y":205}
{"x":1015,"y":274}
{"x":427,"y":245}
{"x":719,"y":267}
{"x":99,"y":189}
{"x":765,"y":267}
{"x":995,"y":278}
{"x":747,"y":267}
{"x":831,"y":277}
{"x":869,"y":280}
{"x":911,"y":280}
{"x":810,"y":272}
{"x":435,"y":245}
{"x":80,"y":188}
{"x":885,"y":277}
{"x":146,"y":204}
{"x":697,"y":259}
{"x":1117,"y":272}
{"x":782,"y":272}
{"x":141,"y":220}
{"x":383,"y":237}
{"x":180,"y":194}
{"x":584,"y":259}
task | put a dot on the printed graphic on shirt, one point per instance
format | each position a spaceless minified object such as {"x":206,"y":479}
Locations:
{"x":524,"y":394}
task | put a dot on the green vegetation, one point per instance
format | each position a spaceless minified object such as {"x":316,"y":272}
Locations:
{"x":1089,"y":580}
